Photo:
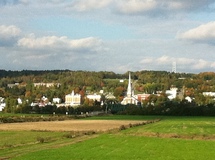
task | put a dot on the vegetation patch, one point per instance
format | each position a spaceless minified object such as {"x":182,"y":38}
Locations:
{"x":30,"y":118}
{"x":118,"y":147}
{"x":162,"y":138}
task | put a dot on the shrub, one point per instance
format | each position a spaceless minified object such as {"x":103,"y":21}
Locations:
{"x":40,"y":139}
{"x":122,"y":127}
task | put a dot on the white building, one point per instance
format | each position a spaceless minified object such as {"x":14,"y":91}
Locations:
{"x":130,"y":98}
{"x":56,"y":100}
{"x":94,"y":97}
{"x":210,"y":94}
{"x":2,"y":104}
{"x":189,"y":99}
{"x":19,"y":101}
{"x":110,"y":96}
{"x":172,"y":93}
{"x":73,"y":99}
{"x":46,"y":84}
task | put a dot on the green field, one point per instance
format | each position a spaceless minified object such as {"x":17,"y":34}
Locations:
{"x":172,"y":138}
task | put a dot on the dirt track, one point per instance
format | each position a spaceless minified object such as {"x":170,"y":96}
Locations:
{"x":70,"y":125}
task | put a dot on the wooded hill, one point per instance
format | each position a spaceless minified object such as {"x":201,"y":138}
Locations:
{"x":21,"y":84}
{"x":143,"y":81}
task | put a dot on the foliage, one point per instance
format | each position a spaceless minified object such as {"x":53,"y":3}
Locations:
{"x":83,"y":82}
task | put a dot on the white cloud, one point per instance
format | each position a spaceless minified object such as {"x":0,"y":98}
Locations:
{"x":61,"y":43}
{"x":185,"y":61}
{"x":12,"y":2}
{"x":189,"y":5}
{"x":136,"y":6}
{"x":9,"y":31}
{"x":161,"y":7}
{"x":182,"y":63}
{"x":202,"y":33}
{"x":88,"y":5}
{"x":146,"y":60}
{"x":8,"y":35}
{"x":163,"y":60}
{"x":201,"y":64}
{"x":213,"y":65}
{"x":133,"y":7}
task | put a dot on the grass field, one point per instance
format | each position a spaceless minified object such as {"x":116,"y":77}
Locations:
{"x":129,"y":147}
{"x":171,"y":138}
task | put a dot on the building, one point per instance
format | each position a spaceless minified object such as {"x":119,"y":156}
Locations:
{"x":12,"y":85}
{"x":94,"y":97}
{"x":189,"y":99}
{"x":130,"y":98}
{"x":142,"y":97}
{"x":56,"y":100}
{"x":46,"y":84}
{"x":72,"y":99}
{"x":2,"y":104}
{"x":209,"y":94}
{"x":110,"y":96}
{"x":172,"y":93}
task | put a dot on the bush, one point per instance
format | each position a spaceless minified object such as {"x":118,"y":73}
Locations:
{"x":40,"y":139}
{"x":43,"y":140}
{"x":122,"y":127}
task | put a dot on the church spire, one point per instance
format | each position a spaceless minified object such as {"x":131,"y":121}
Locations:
{"x":129,"y":90}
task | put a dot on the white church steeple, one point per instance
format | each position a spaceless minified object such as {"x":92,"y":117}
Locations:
{"x":130,"y":97}
{"x":129,"y":89}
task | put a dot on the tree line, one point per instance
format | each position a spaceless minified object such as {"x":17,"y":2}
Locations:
{"x":83,"y":82}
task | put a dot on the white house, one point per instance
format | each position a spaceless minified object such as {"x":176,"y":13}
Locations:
{"x":210,"y":94}
{"x":2,"y":104}
{"x":56,"y":100}
{"x":94,"y":97}
{"x":172,"y":93}
{"x":189,"y":99}
{"x":19,"y":100}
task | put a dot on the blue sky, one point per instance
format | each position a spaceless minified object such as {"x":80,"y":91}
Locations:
{"x":107,"y":35}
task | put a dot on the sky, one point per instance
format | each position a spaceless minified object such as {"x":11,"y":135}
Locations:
{"x":108,"y":35}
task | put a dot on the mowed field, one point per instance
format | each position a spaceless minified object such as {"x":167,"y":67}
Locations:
{"x":68,"y":125}
{"x":171,"y":138}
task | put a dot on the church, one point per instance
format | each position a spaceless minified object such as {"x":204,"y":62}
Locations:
{"x":130,"y":98}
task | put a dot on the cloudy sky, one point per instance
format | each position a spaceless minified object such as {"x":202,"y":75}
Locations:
{"x":107,"y":35}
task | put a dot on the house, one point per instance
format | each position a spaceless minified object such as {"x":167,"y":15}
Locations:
{"x":189,"y":99}
{"x":172,"y":93}
{"x":2,"y":104}
{"x":46,"y":84}
{"x":110,"y":96}
{"x":12,"y":85}
{"x":142,"y":97}
{"x":56,"y":100}
{"x":94,"y":97}
{"x":19,"y":101}
{"x":210,"y":94}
